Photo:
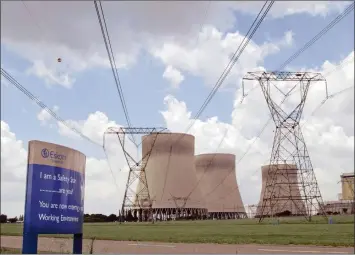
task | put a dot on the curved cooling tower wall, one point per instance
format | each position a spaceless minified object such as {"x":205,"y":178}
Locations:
{"x":347,"y":186}
{"x":286,"y":185}
{"x":211,"y":169}
{"x":171,"y":171}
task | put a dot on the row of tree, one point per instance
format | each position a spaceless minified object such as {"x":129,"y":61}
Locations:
{"x":4,"y":219}
{"x":87,"y":218}
{"x":100,"y":218}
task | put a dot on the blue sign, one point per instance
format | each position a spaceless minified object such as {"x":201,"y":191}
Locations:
{"x":54,"y":192}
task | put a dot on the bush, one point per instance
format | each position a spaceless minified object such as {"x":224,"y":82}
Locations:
{"x":3,"y":218}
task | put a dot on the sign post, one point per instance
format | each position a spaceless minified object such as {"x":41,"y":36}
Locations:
{"x":55,"y":189}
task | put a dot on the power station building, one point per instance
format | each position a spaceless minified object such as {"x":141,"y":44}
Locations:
{"x":346,"y":203}
{"x":287,"y":199}
{"x":217,"y":179}
{"x":171,"y":176}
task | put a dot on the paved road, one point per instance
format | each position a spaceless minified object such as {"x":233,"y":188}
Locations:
{"x":105,"y":246}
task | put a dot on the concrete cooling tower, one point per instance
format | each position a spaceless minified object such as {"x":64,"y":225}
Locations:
{"x":286,"y":186}
{"x":222,"y":198}
{"x":171,"y":176}
{"x":347,"y":186}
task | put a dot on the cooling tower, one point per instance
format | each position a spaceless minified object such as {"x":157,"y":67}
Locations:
{"x":347,"y":186}
{"x":171,"y":175}
{"x":286,"y":186}
{"x":222,"y":198}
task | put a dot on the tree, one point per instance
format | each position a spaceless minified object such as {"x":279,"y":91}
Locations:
{"x":20,"y":218}
{"x":13,"y":220}
{"x":111,"y":218}
{"x":3,"y":218}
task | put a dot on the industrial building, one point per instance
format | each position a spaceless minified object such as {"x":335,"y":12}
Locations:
{"x":171,"y":177}
{"x":287,"y":199}
{"x":217,"y":179}
{"x":345,"y":204}
{"x":339,"y":207}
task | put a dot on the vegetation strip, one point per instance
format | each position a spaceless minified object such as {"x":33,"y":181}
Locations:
{"x":289,"y":231}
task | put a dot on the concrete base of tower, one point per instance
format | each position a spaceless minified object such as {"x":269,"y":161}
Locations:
{"x":226,"y":215}
{"x":163,"y":214}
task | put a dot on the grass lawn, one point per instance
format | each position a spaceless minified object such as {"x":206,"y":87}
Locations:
{"x":290,"y":231}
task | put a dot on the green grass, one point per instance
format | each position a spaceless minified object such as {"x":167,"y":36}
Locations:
{"x":290,"y":231}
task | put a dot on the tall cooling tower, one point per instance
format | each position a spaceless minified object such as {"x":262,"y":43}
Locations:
{"x":347,"y":186}
{"x":222,"y":198}
{"x":171,"y":176}
{"x":286,"y":186}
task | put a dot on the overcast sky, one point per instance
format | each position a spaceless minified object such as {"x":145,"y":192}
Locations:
{"x":169,"y":56}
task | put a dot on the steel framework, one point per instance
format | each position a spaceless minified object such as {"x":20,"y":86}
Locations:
{"x":136,"y":199}
{"x":289,"y":147}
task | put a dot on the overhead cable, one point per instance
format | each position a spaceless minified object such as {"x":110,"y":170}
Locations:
{"x":107,"y":41}
{"x":43,"y":106}
{"x":313,"y":112}
{"x":14,"y":82}
{"x":231,"y":63}
{"x":292,"y":58}
{"x":234,"y":59}
{"x":335,"y":21}
{"x":268,"y":121}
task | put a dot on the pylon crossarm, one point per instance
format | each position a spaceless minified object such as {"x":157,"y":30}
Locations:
{"x":284,"y":76}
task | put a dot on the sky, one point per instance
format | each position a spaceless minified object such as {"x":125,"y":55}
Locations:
{"x":169,"y":56}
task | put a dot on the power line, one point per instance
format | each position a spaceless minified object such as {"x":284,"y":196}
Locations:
{"x":233,"y":60}
{"x":14,"y":82}
{"x":318,"y":36}
{"x":231,"y":63}
{"x":313,"y":112}
{"x":295,"y":55}
{"x":107,"y":41}
{"x":264,"y":127}
{"x":30,"y":14}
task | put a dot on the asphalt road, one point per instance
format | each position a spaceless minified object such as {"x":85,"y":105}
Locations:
{"x":105,"y":246}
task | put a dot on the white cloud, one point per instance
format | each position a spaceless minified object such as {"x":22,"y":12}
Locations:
{"x":101,"y":194}
{"x":4,"y":82}
{"x":13,"y":172}
{"x":328,"y":134}
{"x":282,"y":9}
{"x":215,"y":47}
{"x":51,"y":76}
{"x":44,"y":116}
{"x":152,"y":26}
{"x":42,"y":32}
{"x":173,"y":75}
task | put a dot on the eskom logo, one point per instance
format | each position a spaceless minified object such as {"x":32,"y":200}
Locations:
{"x":52,"y":155}
{"x":45,"y":153}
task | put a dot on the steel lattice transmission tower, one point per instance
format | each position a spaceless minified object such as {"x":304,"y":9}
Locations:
{"x":136,"y":196}
{"x":289,"y":147}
